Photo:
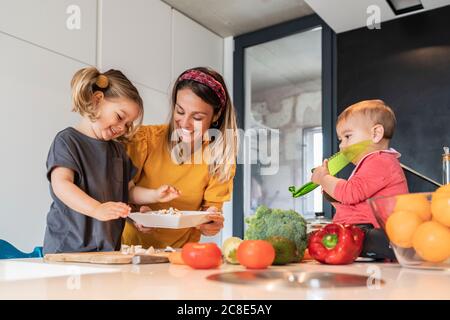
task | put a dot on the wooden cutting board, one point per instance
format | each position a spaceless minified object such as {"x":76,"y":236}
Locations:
{"x":114,"y":257}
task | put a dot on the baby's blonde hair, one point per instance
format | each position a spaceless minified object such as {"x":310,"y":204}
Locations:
{"x":113,"y":84}
{"x":376,"y":110}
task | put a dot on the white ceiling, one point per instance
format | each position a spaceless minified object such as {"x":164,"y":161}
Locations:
{"x":235,"y":17}
{"x":345,"y":15}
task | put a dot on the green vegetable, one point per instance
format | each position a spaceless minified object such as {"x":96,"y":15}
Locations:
{"x":267,"y":223}
{"x":285,"y":250}
{"x":229,"y":249}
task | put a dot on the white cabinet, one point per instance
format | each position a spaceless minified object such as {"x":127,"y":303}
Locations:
{"x":194,"y":46}
{"x":136,"y":38}
{"x":35,"y":106}
{"x":156,"y":105}
{"x":146,"y":39}
{"x":53,"y":24}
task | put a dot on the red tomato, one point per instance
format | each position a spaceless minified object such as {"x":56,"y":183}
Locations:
{"x":201,"y":255}
{"x":255,"y":254}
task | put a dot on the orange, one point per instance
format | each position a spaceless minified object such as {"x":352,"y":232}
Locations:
{"x":440,"y":207}
{"x":175,"y":257}
{"x":444,"y":188}
{"x":400,"y":227}
{"x":432,"y":241}
{"x":414,"y":202}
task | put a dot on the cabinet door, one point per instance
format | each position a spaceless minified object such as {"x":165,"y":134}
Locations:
{"x":156,"y":105}
{"x":136,"y":38}
{"x":194,"y":46}
{"x":68,"y":27}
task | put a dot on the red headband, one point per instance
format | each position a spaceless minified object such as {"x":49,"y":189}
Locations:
{"x":207,"y":80}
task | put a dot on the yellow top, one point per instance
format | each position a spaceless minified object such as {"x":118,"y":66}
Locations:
{"x":149,"y":154}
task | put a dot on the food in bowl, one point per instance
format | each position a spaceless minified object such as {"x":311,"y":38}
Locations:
{"x":170,"y":211}
{"x":418,"y":226}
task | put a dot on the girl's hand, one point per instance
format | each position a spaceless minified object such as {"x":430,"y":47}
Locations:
{"x":140,"y":227}
{"x":111,"y":211}
{"x":320,"y":172}
{"x":166,"y":193}
{"x":212,"y":227}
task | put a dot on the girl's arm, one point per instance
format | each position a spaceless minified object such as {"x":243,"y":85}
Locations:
{"x":62,"y":184}
{"x":139,"y":195}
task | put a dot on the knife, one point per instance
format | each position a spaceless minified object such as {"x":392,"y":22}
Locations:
{"x":148,"y":259}
{"x":336,"y":163}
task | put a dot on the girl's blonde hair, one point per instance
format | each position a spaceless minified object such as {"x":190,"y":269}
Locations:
{"x":113,"y":84}
{"x":222,"y":149}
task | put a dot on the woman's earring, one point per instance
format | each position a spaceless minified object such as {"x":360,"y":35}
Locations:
{"x":215,"y":124}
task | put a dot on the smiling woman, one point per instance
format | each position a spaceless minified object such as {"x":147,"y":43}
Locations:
{"x":193,"y":153}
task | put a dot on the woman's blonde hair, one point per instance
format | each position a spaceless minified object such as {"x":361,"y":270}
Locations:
{"x":113,"y":84}
{"x":222,"y":149}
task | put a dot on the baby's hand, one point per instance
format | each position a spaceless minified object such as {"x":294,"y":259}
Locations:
{"x":320,"y":172}
{"x":111,"y":210}
{"x":166,"y":193}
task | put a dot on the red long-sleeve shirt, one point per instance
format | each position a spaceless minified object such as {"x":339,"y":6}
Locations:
{"x":377,"y":174}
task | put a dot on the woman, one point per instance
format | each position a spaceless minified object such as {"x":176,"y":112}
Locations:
{"x":195,"y":153}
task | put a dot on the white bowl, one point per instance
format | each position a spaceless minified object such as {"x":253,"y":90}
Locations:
{"x":183,"y":219}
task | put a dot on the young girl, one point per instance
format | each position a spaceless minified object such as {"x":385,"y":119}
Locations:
{"x":88,"y":169}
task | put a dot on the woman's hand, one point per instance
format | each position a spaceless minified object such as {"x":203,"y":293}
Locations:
{"x":110,"y":211}
{"x":215,"y":224}
{"x":166,"y":193}
{"x":140,"y":227}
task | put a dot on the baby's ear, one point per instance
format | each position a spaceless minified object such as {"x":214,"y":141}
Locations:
{"x":377,"y":133}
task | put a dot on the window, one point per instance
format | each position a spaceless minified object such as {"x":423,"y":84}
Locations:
{"x":312,"y":155}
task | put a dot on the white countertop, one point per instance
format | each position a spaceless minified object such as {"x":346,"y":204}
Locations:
{"x":34,"y":279}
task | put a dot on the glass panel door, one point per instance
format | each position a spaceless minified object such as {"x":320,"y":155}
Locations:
{"x":283,"y":120}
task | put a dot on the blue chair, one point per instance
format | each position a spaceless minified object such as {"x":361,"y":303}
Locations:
{"x":8,"y":251}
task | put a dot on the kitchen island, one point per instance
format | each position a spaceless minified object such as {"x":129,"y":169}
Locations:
{"x":35,"y":279}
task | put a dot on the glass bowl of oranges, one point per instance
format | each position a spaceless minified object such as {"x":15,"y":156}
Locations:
{"x":418,"y":227}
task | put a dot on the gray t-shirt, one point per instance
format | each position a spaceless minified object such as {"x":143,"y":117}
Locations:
{"x":102,"y":170}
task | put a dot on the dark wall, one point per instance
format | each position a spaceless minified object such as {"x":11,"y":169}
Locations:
{"x":407,"y":64}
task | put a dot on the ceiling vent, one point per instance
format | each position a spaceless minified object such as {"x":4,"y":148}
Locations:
{"x":404,"y":6}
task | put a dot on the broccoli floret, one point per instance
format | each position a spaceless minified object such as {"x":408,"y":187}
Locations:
{"x":267,"y":222}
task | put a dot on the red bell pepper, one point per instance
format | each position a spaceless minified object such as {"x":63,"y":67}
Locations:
{"x":336,"y":243}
